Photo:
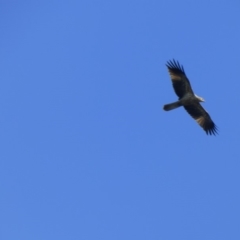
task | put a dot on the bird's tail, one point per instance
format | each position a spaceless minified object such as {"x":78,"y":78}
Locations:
{"x":172,"y":106}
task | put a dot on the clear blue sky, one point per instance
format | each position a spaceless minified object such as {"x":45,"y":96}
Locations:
{"x":87,"y":151}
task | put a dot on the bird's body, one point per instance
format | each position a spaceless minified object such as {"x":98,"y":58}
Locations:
{"x":187,"y":98}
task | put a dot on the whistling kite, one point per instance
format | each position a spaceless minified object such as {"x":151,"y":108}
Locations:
{"x":187,"y":98}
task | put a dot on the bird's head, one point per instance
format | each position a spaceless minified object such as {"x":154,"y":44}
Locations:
{"x":200,"y":99}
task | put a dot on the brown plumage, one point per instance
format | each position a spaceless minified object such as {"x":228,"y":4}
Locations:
{"x":187,"y":98}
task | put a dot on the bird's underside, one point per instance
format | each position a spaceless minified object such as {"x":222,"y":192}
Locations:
{"x":187,"y":98}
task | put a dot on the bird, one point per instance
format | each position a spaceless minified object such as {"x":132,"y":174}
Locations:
{"x":188,"y":99}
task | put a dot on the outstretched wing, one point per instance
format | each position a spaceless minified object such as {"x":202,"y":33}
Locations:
{"x":196,"y":110}
{"x":179,"y":79}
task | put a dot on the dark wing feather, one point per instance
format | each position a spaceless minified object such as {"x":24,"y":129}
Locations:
{"x":179,"y":79}
{"x":202,"y":117}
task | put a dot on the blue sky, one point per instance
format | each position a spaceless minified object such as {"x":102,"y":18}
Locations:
{"x":87,"y":151}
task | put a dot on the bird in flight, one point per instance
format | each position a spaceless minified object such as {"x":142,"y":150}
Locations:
{"x":187,"y":98}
